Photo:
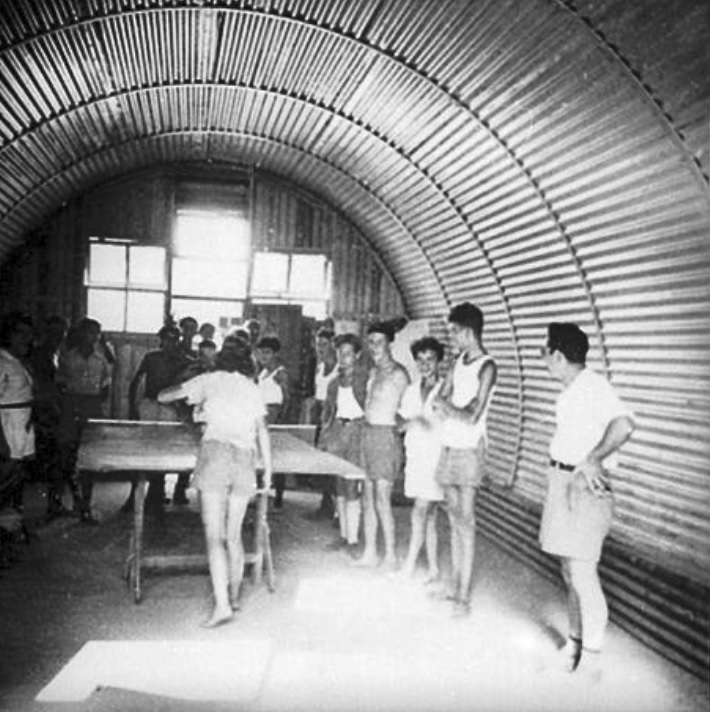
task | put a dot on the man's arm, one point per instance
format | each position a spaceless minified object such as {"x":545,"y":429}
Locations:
{"x":264,"y":440}
{"x":281,"y":377}
{"x":471,"y":412}
{"x":616,"y":434}
{"x":172,"y":393}
{"x":133,"y":390}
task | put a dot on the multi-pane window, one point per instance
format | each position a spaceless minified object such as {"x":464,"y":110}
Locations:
{"x":210,"y":266}
{"x":126,"y":285}
{"x":292,"y":278}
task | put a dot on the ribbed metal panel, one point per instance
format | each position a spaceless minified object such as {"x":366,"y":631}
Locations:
{"x":494,"y":150}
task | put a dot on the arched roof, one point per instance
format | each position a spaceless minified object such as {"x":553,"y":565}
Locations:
{"x":545,"y":159}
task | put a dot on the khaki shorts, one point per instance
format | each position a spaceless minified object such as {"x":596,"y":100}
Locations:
{"x":461,"y":467}
{"x":574,"y":522}
{"x":224,"y":466}
{"x":382,"y":452}
{"x":344,"y":439}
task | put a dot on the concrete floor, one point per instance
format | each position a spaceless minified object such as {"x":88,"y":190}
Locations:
{"x":332,"y":637}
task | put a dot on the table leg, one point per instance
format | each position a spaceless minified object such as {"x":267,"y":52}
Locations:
{"x":138,"y":512}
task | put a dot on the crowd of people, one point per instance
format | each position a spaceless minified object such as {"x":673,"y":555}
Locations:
{"x":367,"y":410}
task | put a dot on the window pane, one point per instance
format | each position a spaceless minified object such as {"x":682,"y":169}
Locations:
{"x":212,"y":236}
{"x":145,"y":311}
{"x":270,"y":273}
{"x":307,"y":275}
{"x":221,"y":314}
{"x":107,"y":264}
{"x":146,"y":267}
{"x":315,"y":309}
{"x":108,"y":307}
{"x":209,"y":279}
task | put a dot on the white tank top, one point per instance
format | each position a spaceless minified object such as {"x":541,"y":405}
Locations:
{"x":322,"y":381}
{"x":271,"y":392}
{"x":348,"y":407}
{"x":466,"y":380}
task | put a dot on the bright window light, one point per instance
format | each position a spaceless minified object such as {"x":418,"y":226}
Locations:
{"x":107,"y":264}
{"x":209,"y":279}
{"x":270,"y":275}
{"x":107,"y":306}
{"x":212,"y":236}
{"x":146,"y":267}
{"x":307,"y":275}
{"x":145,"y":311}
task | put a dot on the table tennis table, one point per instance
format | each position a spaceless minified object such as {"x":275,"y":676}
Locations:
{"x":142,"y":450}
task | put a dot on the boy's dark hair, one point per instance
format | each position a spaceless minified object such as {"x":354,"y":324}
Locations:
{"x":324,"y":333}
{"x":351,"y":339}
{"x":382,"y":327}
{"x":207,"y":344}
{"x":168,"y":331}
{"x":467,"y":315}
{"x":269,"y":342}
{"x":427,"y":343}
{"x":569,"y":340}
{"x":237,"y":357}
{"x":10,"y":322}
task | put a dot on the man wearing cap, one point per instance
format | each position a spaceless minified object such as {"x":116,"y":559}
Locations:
{"x":592,"y":423}
{"x":382,"y":448}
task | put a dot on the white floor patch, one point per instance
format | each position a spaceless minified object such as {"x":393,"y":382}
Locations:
{"x":188,"y":670}
{"x":384,"y":597}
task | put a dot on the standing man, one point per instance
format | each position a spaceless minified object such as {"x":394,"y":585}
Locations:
{"x":341,"y":434}
{"x":382,"y":449}
{"x":326,"y":371}
{"x":84,"y":374}
{"x":592,"y":423}
{"x":463,"y":407}
{"x":17,"y":434}
{"x":158,"y":370}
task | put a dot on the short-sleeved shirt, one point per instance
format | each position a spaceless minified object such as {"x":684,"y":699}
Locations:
{"x":583,"y":412}
{"x":231,"y":406}
{"x":16,"y":387}
{"x":84,"y":376}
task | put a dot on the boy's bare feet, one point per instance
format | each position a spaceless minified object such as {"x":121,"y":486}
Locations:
{"x":218,"y":617}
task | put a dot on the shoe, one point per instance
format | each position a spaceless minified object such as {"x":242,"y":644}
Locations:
{"x":337,"y":544}
{"x":461,"y":609}
{"x":88,"y":519}
{"x":571,"y":654}
{"x":352,"y":550}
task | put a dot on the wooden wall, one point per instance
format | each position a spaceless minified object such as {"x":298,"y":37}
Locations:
{"x":46,"y":275}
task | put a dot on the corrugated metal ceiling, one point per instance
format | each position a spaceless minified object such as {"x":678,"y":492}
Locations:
{"x":502,"y":151}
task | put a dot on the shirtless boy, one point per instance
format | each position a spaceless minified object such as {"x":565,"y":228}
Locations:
{"x":382,"y":450}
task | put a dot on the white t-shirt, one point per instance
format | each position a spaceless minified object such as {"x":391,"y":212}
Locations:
{"x":231,"y":406}
{"x":584,"y":410}
{"x":347,"y":405}
{"x":322,"y":380}
{"x":271,"y":391}
{"x":457,"y":433}
{"x":16,"y":387}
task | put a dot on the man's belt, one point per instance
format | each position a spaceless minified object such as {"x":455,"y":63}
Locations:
{"x":24,"y":404}
{"x":555,"y":464}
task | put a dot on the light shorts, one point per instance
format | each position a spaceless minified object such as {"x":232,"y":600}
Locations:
{"x":574,"y":522}
{"x":382,"y":452}
{"x":344,"y":439}
{"x":462,"y":467}
{"x":224,"y":466}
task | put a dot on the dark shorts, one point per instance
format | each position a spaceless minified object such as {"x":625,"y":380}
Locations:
{"x":574,"y":522}
{"x":382,"y":452}
{"x":224,"y":466}
{"x":463,"y":467}
{"x":344,"y":439}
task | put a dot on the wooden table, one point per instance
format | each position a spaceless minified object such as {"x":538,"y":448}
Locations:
{"x":140,"y":450}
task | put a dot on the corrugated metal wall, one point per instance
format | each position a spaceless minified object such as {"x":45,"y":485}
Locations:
{"x":539,"y":157}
